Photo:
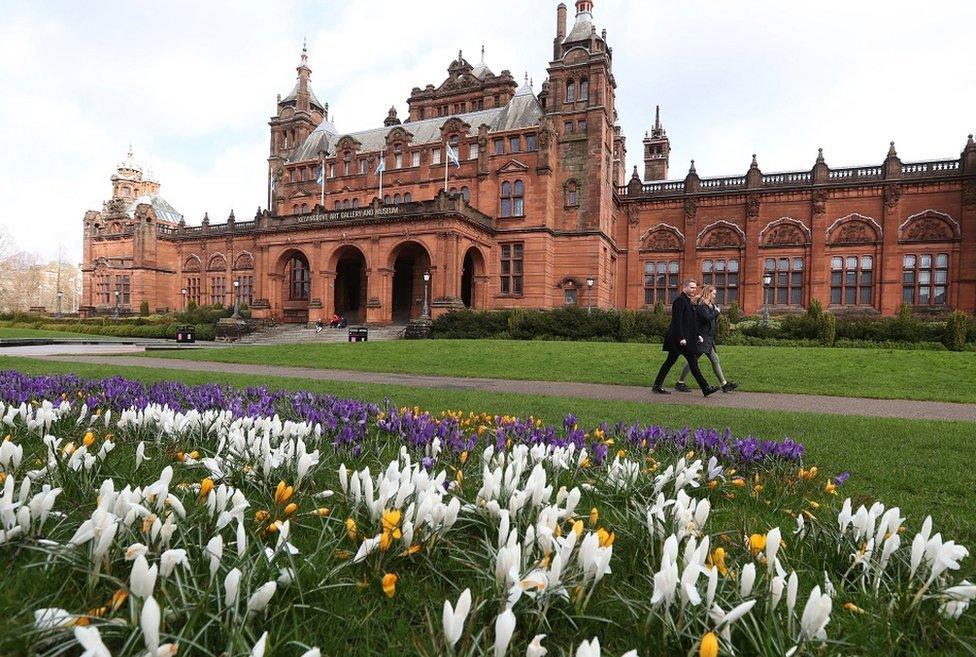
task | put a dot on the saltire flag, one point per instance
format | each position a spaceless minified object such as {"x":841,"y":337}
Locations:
{"x":381,"y":167}
{"x":452,"y":156}
{"x":321,"y":179}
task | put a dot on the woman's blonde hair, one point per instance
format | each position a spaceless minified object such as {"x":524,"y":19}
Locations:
{"x":704,"y":292}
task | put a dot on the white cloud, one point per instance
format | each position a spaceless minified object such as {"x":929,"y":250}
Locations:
{"x":192,"y":85}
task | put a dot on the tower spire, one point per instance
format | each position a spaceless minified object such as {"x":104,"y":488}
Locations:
{"x":657,"y":117}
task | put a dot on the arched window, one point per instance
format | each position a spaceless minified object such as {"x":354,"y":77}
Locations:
{"x":466,"y":194}
{"x":397,"y":199}
{"x":304,"y":208}
{"x":584,"y":89}
{"x":294,"y":209}
{"x":387,"y":200}
{"x":355,"y":203}
{"x":572,"y":193}
{"x":346,"y":163}
{"x":513,"y":199}
{"x":298,"y":279}
{"x":408,"y":197}
{"x":452,"y":191}
{"x":346,"y":204}
{"x":570,"y":91}
{"x":338,"y":205}
{"x":126,"y":190}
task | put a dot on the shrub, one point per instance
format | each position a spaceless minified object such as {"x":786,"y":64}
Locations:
{"x":954,"y":337}
{"x":814,"y":310}
{"x":724,"y":328}
{"x":826,"y":329}
{"x":144,"y":309}
{"x":734,"y":313}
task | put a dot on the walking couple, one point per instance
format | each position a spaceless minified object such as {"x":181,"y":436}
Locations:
{"x":694,"y":325}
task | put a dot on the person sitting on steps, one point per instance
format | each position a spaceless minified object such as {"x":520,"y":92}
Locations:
{"x":707,"y":312}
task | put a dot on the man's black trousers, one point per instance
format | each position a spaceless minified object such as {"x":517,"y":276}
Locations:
{"x":672,"y":358}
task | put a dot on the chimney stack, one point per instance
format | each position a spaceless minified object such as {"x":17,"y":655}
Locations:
{"x":560,"y":29}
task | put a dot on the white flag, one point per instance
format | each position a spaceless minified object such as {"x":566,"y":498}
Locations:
{"x":452,"y":156}
{"x":381,"y":167}
{"x":321,"y":178}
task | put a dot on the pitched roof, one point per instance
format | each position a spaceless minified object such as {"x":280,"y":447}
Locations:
{"x":160,"y":206}
{"x":520,"y":112}
{"x":293,"y":96}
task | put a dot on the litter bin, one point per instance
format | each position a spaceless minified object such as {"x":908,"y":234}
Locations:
{"x":184,"y":334}
{"x":358,"y":334}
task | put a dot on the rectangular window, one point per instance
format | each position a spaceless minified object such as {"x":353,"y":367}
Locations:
{"x":499,"y":146}
{"x":724,"y":275}
{"x":473,"y":151}
{"x":511,"y":268}
{"x":362,"y":167}
{"x":104,"y":289}
{"x":530,"y":143}
{"x":245,"y":290}
{"x":786,"y":283}
{"x":218,"y":290}
{"x":514,"y":144}
{"x":925,"y":279}
{"x":123,"y":283}
{"x":347,"y":167}
{"x":581,"y":126}
{"x":193,"y":289}
{"x":851,"y":280}
{"x":332,"y":171}
{"x":415,"y":159}
{"x":568,"y":128}
{"x":398,"y":161}
{"x":660,"y":282}
{"x":435,"y":156}
{"x":570,"y":296}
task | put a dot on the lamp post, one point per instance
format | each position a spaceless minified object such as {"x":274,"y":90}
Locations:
{"x":589,"y":293}
{"x":183,"y":292}
{"x":59,"y":295}
{"x":767,"y":282}
{"x":426,"y":283}
{"x":118,"y":293}
{"x":237,"y":300}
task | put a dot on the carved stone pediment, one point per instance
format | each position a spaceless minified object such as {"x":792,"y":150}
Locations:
{"x":513,"y":166}
{"x":721,"y":235}
{"x":348,"y":143}
{"x":929,"y":226}
{"x":785,"y":231}
{"x":663,"y":237}
{"x":854,"y":229}
{"x":454,"y":125}
{"x":399,"y":134}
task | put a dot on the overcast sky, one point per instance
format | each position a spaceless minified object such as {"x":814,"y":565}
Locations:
{"x":192,"y":85}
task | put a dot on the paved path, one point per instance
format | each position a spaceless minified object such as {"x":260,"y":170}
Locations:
{"x":920,"y":410}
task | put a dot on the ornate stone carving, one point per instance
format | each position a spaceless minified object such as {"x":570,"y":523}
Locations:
{"x":633,"y":215}
{"x":853,"y":233}
{"x":752,"y":206}
{"x":892,"y":194}
{"x":927,"y":230}
{"x":786,"y":235}
{"x":721,"y":238}
{"x":691,"y":207}
{"x":192,"y":264}
{"x":969,"y":195}
{"x":115,"y":205}
{"x":661,"y":240}
{"x":819,"y":203}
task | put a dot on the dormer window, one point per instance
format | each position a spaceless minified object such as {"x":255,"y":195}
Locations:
{"x":347,"y":163}
{"x":397,"y":156}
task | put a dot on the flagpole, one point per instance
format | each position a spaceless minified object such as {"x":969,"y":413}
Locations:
{"x":382,"y":169}
{"x":447,"y":161}
{"x":322,"y":194}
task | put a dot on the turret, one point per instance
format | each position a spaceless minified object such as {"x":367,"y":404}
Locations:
{"x":657,"y":150}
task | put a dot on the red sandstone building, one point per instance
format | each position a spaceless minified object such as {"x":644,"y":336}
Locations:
{"x":537,"y":203}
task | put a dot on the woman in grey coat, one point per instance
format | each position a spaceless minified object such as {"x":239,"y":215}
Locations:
{"x":707,"y":314}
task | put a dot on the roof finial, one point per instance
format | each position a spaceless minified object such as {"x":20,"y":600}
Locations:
{"x":820,"y":157}
{"x":891,"y":150}
{"x":460,"y":56}
{"x":755,"y":164}
{"x":482,"y":54}
{"x":304,"y":51}
{"x":692,"y":169}
{"x":657,"y":117}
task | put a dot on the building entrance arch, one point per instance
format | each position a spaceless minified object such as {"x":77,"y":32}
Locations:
{"x":350,"y":285}
{"x":472,"y":268}
{"x":296,"y":278}
{"x":410,"y":261}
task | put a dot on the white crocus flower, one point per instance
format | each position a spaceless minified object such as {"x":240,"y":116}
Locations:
{"x":747,"y":580}
{"x":816,"y":615}
{"x":535,"y":647}
{"x":142,"y":580}
{"x":792,"y":586}
{"x":773,"y":539}
{"x":776,"y":587}
{"x":259,"y":647}
{"x":312,"y":652}
{"x":215,"y":550}
{"x":90,"y":639}
{"x":260,"y":599}
{"x":454,"y":617}
{"x":232,"y":584}
{"x":149,"y":622}
{"x":589,"y":648}
{"x":170,"y":559}
{"x":504,"y":628}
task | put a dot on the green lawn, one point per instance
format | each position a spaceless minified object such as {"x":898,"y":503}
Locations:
{"x":919,"y":465}
{"x":876,"y":373}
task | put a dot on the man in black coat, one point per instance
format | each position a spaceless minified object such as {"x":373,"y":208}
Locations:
{"x":683,"y":339}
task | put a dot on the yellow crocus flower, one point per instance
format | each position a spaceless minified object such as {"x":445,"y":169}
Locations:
{"x":594,"y":515}
{"x":709,"y":645}
{"x":205,"y":487}
{"x":351,"y":529}
{"x":389,"y":584}
{"x":757,"y":543}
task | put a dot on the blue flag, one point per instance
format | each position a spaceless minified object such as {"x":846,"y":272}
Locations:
{"x":381,"y":167}
{"x":452,"y":156}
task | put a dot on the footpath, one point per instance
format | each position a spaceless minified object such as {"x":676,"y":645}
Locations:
{"x":892,"y":408}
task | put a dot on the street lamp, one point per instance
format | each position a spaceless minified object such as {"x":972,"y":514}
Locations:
{"x":59,"y":295}
{"x":183,"y":292}
{"x":118,"y":293}
{"x":589,"y":293}
{"x":237,"y":300}
{"x":426,"y":283}
{"x":767,"y":282}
